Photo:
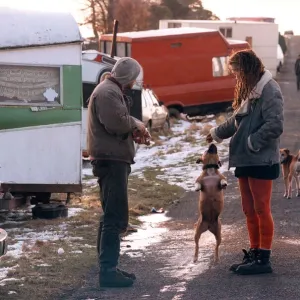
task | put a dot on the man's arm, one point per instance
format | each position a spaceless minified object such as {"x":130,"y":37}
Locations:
{"x":113,"y":114}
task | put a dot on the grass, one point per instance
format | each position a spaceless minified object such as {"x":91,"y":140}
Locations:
{"x":44,"y":274}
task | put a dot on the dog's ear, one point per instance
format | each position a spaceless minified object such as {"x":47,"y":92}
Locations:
{"x":287,"y":151}
{"x":199,"y":161}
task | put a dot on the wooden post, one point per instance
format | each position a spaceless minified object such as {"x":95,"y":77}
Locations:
{"x":114,"y":40}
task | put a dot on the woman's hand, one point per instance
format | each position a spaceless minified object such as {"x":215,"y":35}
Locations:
{"x":209,"y":138}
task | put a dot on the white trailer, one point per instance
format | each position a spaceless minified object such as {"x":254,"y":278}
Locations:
{"x":261,"y":36}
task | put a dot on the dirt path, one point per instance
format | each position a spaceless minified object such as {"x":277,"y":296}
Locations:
{"x":165,"y":269}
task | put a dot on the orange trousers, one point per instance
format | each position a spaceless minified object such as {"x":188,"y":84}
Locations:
{"x":256,"y":202}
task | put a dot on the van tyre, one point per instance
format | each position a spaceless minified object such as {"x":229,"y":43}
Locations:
{"x":174,"y":113}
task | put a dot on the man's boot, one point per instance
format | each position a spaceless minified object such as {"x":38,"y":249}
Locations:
{"x":260,"y":265}
{"x":113,"y":278}
{"x":249,"y":257}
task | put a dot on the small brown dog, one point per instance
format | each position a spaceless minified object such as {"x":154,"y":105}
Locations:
{"x":211,"y":200}
{"x":290,"y":169}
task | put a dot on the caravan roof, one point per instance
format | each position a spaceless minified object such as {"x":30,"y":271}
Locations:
{"x":25,"y":28}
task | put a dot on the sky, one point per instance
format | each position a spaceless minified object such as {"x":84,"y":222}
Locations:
{"x":286,"y":12}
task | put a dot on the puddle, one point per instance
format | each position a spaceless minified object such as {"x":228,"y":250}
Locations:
{"x":150,"y":232}
{"x":174,"y":247}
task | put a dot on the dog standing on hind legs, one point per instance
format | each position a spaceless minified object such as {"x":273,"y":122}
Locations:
{"x":290,"y":169}
{"x":211,"y":200}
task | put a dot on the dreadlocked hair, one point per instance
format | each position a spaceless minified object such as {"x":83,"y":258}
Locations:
{"x":250,"y":69}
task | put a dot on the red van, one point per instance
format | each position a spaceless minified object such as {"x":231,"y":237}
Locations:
{"x":186,"y":67}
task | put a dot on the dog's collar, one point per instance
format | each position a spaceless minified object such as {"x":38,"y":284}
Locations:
{"x":287,"y":160}
{"x":211,"y":166}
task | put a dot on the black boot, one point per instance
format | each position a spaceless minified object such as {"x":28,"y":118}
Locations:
{"x":260,"y":265}
{"x":126,"y":274}
{"x":114,"y":278}
{"x":249,"y":257}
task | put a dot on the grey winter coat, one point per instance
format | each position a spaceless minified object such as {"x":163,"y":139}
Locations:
{"x":110,"y":126}
{"x":255,"y":128}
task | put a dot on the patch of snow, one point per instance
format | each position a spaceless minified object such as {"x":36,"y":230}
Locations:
{"x":60,"y":251}
{"x":76,"y":251}
{"x":44,"y":265}
{"x":12,"y":292}
{"x":28,"y":240}
{"x":178,"y":166}
{"x":4,"y":272}
{"x":89,"y":246}
{"x":73,"y":211}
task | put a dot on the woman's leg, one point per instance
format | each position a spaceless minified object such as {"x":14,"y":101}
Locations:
{"x":249,"y":210}
{"x":262,"y":193}
{"x":252,"y":224}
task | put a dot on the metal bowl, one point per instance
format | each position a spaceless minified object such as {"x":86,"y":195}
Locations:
{"x":3,"y":242}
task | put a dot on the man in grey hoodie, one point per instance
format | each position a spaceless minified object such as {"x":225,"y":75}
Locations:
{"x":111,"y":149}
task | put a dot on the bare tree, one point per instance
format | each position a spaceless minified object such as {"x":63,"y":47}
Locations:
{"x":133,"y":15}
{"x":96,"y":15}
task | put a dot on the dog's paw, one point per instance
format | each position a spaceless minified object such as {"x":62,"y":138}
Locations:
{"x":224,"y":184}
{"x":285,"y":195}
{"x":216,"y":260}
{"x":195,"y":259}
{"x":197,"y":187}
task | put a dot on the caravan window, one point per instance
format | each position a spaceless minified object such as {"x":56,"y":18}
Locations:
{"x":219,"y":66}
{"x":30,"y":85}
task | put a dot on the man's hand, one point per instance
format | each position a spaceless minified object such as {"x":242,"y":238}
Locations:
{"x":140,"y":126}
{"x":142,"y":138}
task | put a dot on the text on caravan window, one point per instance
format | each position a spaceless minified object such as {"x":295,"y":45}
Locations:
{"x":28,"y":85}
{"x":219,"y":66}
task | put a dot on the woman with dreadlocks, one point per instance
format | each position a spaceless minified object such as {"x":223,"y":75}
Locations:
{"x":255,"y":127}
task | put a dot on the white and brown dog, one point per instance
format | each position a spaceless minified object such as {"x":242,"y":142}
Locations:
{"x":290,"y":169}
{"x":211,"y":200}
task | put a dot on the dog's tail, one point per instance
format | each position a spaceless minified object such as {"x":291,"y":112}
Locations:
{"x":212,"y":149}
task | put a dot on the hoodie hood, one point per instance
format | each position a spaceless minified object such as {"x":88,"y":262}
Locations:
{"x":126,"y":70}
{"x":255,"y":94}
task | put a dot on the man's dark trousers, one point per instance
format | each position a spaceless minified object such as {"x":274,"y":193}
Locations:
{"x":298,"y":82}
{"x":113,"y":183}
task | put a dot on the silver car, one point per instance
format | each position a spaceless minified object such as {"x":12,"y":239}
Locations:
{"x":155,"y":115}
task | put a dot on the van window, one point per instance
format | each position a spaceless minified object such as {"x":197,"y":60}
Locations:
{"x":128,"y":49}
{"x":102,"y":46}
{"x":121,"y":49}
{"x":174,"y":25}
{"x":219,"y":66}
{"x":226,"y":31}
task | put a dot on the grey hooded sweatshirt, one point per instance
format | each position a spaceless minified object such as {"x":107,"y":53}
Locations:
{"x":110,"y":126}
